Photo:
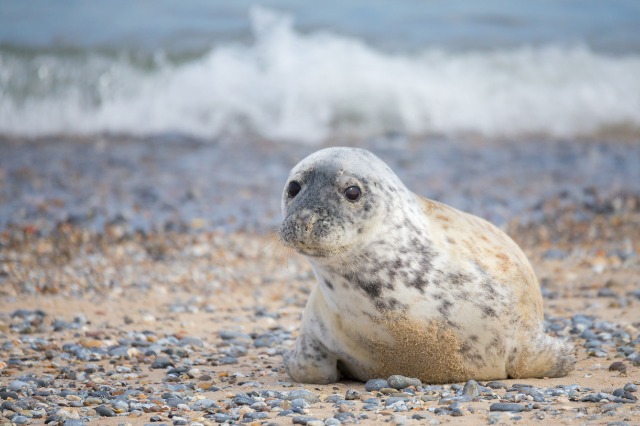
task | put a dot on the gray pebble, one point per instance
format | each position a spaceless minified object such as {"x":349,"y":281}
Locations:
{"x":347,"y":417}
{"x":20,"y":420}
{"x":7,"y":395}
{"x":351,"y":394}
{"x":162,"y":362}
{"x":233,"y":335}
{"x":105,"y":411}
{"x":401,"y":382}
{"x":255,"y":416}
{"x":179,"y":421}
{"x":227,"y":360}
{"x":222,"y":418}
{"x":333,"y":398}
{"x":73,"y":422}
{"x":442,"y":411}
{"x":635,"y":359}
{"x":243,"y":399}
{"x":375,"y":385}
{"x":496,"y":385}
{"x":463,"y":398}
{"x":332,"y":422}
{"x":308,"y":396}
{"x":606,"y":292}
{"x":610,"y":407}
{"x":299,"y":403}
{"x":303,"y":420}
{"x":507,"y":406}
{"x":630,"y":387}
{"x":203,"y":404}
{"x":471,"y":388}
{"x":17,"y":385}
{"x":394,"y":399}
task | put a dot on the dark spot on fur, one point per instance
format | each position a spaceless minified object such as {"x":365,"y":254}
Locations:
{"x":444,"y":308}
{"x":459,"y":278}
{"x":465,"y":348}
{"x":329,"y":284}
{"x":419,"y":283}
{"x":488,"y":311}
{"x":389,"y":304}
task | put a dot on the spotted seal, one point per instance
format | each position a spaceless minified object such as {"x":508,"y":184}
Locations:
{"x":407,"y":285}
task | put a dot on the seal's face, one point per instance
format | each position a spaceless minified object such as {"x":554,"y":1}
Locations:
{"x":330,"y":200}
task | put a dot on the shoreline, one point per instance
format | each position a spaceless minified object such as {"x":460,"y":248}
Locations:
{"x":179,"y":183}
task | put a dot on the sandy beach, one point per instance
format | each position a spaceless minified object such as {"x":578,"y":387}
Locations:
{"x":144,"y":147}
{"x":147,"y":305}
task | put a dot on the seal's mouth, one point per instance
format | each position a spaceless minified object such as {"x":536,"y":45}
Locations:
{"x":312,"y":249}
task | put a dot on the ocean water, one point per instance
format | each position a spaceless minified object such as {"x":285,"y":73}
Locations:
{"x":296,"y":71}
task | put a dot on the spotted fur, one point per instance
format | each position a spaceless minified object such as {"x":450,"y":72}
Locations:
{"x":408,"y":285}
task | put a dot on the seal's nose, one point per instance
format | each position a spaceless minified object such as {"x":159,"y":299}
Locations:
{"x":303,"y":226}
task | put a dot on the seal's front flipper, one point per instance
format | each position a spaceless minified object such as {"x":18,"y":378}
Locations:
{"x":311,"y":362}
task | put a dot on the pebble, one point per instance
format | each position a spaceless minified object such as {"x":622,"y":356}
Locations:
{"x":20,"y":420}
{"x":375,"y":385}
{"x":496,"y":385}
{"x":304,"y":420}
{"x":308,"y":396}
{"x":345,"y":417}
{"x":631,"y":387}
{"x":507,"y":406}
{"x":618,"y":366}
{"x":401,"y":382}
{"x":351,"y":394}
{"x":471,"y":388}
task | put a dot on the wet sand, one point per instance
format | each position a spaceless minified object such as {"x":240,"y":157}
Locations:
{"x":140,"y":278}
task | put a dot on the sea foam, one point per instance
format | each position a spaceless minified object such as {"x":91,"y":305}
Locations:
{"x":307,"y":87}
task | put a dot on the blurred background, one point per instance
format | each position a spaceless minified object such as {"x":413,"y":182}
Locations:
{"x":488,"y":105}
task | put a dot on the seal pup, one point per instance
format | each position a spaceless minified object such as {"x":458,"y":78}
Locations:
{"x":407,"y":285}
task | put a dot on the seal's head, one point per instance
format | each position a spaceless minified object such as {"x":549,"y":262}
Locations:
{"x":333,"y":198}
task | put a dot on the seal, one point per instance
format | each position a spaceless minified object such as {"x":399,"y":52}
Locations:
{"x":407,"y":285}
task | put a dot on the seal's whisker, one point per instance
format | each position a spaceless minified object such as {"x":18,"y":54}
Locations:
{"x":277,"y":250}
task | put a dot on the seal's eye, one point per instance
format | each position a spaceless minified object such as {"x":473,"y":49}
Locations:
{"x":352,"y":193}
{"x":293,"y":188}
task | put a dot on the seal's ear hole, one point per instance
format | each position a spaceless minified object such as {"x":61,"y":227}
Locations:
{"x":293,"y":188}
{"x":352,"y":193}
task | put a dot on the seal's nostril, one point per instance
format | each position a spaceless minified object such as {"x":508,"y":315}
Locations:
{"x":309,"y":226}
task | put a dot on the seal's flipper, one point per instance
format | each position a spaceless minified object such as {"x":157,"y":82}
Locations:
{"x":546,"y":356}
{"x":311,"y":362}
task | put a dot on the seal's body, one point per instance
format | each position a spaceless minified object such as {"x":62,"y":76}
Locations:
{"x":407,"y":285}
